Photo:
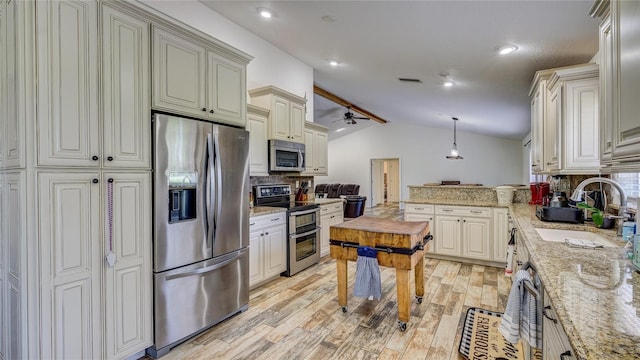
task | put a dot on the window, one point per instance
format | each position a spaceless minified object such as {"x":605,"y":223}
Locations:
{"x":631,"y":184}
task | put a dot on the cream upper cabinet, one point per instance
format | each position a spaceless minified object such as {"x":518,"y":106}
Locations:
{"x":626,"y":85}
{"x":179,"y":77}
{"x":539,"y":99}
{"x":287,"y":112}
{"x":226,"y":90}
{"x":576,"y":113}
{"x":606,"y":90}
{"x":257,"y":118}
{"x":330,"y":214}
{"x":67,"y":65}
{"x":125,"y":95}
{"x":565,"y":110}
{"x":128,"y":286}
{"x":191,"y":77}
{"x":14,"y":62}
{"x":316,"y":142}
{"x":70,"y":265}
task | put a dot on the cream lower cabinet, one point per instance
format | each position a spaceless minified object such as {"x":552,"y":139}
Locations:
{"x":422,"y":212}
{"x":555,"y":342}
{"x":88,"y":306}
{"x":463,"y":232}
{"x":258,"y":142}
{"x":13,"y":267}
{"x":315,"y":140}
{"x":501,"y":234}
{"x":267,"y":247}
{"x":330,"y":214}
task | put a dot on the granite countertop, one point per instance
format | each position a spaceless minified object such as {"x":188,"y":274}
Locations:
{"x":457,"y":202}
{"x":265,"y":210}
{"x":596,"y":293}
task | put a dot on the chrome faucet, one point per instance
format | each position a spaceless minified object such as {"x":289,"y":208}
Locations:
{"x":622,"y":212}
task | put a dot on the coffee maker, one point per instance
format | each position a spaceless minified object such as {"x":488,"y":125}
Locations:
{"x":539,"y":190}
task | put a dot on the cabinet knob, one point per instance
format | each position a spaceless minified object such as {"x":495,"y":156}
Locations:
{"x":458,"y":220}
{"x":110,"y":180}
{"x":204,"y":109}
{"x":95,"y":181}
{"x":212,"y":111}
{"x":267,"y":233}
{"x":565,"y":354}
{"x":109,"y":158}
{"x":95,"y":158}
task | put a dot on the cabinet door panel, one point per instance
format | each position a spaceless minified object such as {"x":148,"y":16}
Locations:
{"x":309,"y":155}
{"x":627,"y":126}
{"x":280,"y":119}
{"x":256,"y":272}
{"x":125,"y":75}
{"x":552,"y":132}
{"x":297,"y":122}
{"x":259,"y":156}
{"x":447,"y":241}
{"x":500,"y":234}
{"x":475,"y":238}
{"x":606,"y":90}
{"x":227,"y":96}
{"x":275,"y":248}
{"x":128,"y":287}
{"x":67,"y":120}
{"x":70,"y":264}
{"x":582,"y":149}
{"x":178,"y":74}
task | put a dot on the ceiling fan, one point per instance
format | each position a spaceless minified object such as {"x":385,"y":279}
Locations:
{"x":350,"y":119}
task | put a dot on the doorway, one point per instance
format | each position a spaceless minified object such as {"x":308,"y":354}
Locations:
{"x":385,"y":181}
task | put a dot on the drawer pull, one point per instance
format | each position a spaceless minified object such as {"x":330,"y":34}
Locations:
{"x":419,"y":208}
{"x":476,"y":212}
{"x":544,"y":312}
{"x":447,"y":210}
{"x":252,"y":224}
{"x":565,"y":354}
{"x":276,"y":219}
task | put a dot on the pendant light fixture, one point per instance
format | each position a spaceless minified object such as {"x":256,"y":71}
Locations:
{"x":454,"y":155}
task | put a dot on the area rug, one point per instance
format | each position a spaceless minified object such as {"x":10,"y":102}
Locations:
{"x":481,"y":338}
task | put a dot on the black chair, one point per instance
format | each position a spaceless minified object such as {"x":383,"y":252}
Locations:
{"x":332,"y":190}
{"x":348,"y":189}
{"x":321,"y":190}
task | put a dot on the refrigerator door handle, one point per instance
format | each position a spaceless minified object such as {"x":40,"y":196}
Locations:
{"x":217,"y":170}
{"x":208,"y":213}
{"x":207,"y":269}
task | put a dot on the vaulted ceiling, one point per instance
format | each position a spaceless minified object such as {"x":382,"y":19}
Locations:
{"x":377,"y":42}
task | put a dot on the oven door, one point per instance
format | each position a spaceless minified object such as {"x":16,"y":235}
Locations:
{"x":303,"y":251}
{"x":303,"y":221}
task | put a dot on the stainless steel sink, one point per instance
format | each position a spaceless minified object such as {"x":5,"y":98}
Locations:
{"x":577,"y":238}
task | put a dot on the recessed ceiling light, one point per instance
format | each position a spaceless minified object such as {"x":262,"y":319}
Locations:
{"x":329,"y":18}
{"x":507,"y":49}
{"x":448,"y":84}
{"x":265,"y":13}
{"x":333,"y":63}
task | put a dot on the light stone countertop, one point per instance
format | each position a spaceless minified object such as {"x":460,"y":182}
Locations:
{"x":596,"y":293}
{"x":265,"y":210}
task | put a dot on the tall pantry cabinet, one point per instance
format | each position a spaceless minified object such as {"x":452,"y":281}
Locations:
{"x":83,"y":191}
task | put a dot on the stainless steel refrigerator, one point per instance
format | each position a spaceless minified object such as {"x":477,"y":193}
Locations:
{"x":201,"y":227}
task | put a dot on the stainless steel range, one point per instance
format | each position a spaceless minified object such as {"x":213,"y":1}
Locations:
{"x":303,"y":246}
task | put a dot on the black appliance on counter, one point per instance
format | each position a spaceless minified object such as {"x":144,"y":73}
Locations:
{"x":303,"y":232}
{"x":560,"y":214}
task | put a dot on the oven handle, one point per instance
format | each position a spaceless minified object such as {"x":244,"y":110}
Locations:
{"x":295,"y":236}
{"x":304,"y":212}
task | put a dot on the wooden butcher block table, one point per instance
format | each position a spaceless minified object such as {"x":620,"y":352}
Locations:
{"x":400,"y":244}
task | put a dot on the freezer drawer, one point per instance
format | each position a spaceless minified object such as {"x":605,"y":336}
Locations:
{"x":195,"y":297}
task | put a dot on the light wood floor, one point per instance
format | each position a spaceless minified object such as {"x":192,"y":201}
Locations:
{"x":299,"y":317}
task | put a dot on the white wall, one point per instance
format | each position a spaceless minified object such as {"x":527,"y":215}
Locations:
{"x":526,"y":159}
{"x":270,"y":66}
{"x":487,"y":160}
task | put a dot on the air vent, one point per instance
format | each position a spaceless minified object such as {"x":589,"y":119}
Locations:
{"x":410,"y":80}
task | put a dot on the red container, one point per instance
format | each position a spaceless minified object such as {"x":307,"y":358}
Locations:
{"x":538,"y":192}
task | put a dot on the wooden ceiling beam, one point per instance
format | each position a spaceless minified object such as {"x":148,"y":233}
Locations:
{"x":340,"y":101}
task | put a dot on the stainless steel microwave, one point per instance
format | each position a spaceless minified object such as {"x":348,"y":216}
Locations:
{"x":286,"y":156}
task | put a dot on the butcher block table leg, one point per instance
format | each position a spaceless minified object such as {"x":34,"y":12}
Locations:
{"x":419,"y":272}
{"x":342,"y":284}
{"x":404,"y":303}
